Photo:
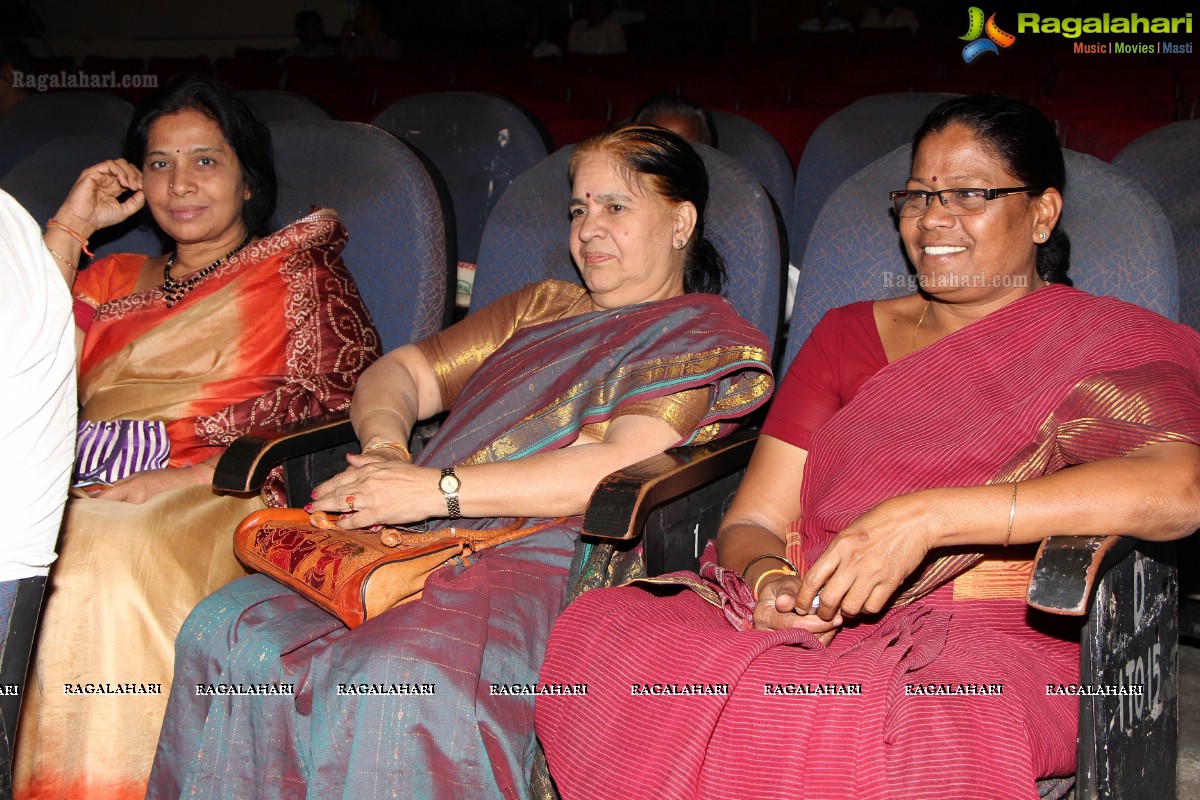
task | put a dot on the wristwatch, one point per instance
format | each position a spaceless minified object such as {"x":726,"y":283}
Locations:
{"x":450,"y":484}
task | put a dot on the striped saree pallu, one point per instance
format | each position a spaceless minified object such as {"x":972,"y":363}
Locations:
{"x":356,"y":727}
{"x":943,"y":695}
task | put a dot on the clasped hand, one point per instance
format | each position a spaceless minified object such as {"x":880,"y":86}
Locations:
{"x":864,"y":564}
{"x":380,"y":488}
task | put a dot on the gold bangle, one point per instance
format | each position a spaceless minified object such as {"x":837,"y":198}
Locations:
{"x":62,"y":258}
{"x":776,"y":571}
{"x":1012,"y":513}
{"x":393,"y":445}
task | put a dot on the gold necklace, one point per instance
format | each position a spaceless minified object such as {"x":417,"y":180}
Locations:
{"x":920,"y":322}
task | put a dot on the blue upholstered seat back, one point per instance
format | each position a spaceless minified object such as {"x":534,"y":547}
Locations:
{"x":479,"y":142}
{"x":845,"y":143}
{"x":1120,"y":242}
{"x":1167,"y":162}
{"x":272,"y":105}
{"x":526,"y":238}
{"x":391,"y":207}
{"x":41,"y":180}
{"x":51,"y":115}
{"x":760,"y":153}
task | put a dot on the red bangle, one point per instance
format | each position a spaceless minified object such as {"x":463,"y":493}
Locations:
{"x":83,"y":242}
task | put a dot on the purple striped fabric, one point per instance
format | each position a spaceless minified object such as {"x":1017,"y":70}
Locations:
{"x":106,"y":452}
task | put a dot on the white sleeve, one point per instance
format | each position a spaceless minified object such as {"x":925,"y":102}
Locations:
{"x":37,"y":395}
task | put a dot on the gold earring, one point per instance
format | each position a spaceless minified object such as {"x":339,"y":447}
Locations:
{"x":679,"y":243}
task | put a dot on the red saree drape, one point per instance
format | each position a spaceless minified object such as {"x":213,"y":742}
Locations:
{"x":1056,"y":378}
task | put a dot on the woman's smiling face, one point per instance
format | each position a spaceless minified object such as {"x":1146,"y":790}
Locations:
{"x":973,"y":258}
{"x":193,"y":180}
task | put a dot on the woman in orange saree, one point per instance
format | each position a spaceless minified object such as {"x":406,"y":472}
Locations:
{"x":273,"y":331}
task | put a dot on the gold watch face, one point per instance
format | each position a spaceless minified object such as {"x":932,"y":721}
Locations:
{"x":449,"y":484}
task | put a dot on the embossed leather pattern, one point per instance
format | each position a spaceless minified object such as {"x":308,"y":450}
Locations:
{"x":1120,"y":242}
{"x":479,"y":142}
{"x":526,"y":236}
{"x":1167,"y":162}
{"x":391,"y":208}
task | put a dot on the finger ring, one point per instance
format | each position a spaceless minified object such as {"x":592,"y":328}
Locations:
{"x":350,"y":501}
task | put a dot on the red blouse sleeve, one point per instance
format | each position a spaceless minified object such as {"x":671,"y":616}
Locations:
{"x":840,"y":355}
{"x":105,"y":280}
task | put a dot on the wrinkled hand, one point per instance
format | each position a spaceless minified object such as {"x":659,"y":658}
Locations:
{"x":865,"y":563}
{"x":387,"y":490}
{"x":92,"y":202}
{"x":141,"y":486}
{"x":776,"y":609}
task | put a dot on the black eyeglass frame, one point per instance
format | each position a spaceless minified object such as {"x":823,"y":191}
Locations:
{"x":988,"y":194}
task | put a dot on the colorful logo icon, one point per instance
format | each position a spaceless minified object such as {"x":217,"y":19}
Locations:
{"x":996,"y":38}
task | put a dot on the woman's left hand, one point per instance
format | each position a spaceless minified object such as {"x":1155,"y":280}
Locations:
{"x":384,"y":489}
{"x":871,"y":557}
{"x":141,"y":486}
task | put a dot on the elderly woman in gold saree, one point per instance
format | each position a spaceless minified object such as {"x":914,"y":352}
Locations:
{"x":549,"y":389}
{"x":234,"y":329}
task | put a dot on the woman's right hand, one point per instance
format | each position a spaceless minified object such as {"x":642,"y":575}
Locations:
{"x":776,"y":609}
{"x":92,"y":203}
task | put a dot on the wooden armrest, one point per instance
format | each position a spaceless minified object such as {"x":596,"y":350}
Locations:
{"x":245,"y":464}
{"x":621,"y":502}
{"x":1067,"y":569}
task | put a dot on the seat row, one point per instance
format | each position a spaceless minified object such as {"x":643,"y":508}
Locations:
{"x":480,"y":143}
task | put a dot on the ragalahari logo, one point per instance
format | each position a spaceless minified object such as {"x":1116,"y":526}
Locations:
{"x":976,"y":27}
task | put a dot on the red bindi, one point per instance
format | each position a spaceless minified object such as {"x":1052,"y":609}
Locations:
{"x":935,"y":178}
{"x":587,"y":195}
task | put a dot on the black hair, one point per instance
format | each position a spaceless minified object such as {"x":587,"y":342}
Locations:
{"x":671,"y":168}
{"x":1024,"y":139}
{"x":665,"y":103}
{"x":245,"y":132}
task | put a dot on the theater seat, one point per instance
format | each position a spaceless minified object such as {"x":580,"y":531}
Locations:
{"x":760,"y":153}
{"x":845,"y":143}
{"x":479,"y":143}
{"x":51,"y":115}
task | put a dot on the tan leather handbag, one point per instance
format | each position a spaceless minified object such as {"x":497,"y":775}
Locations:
{"x":356,"y":575}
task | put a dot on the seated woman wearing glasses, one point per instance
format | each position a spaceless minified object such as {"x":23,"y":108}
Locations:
{"x":880,"y":543}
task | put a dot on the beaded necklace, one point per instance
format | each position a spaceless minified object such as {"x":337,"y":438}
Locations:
{"x":174,"y":290}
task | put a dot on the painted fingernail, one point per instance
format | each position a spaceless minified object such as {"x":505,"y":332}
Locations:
{"x":314,"y":494}
{"x":308,"y":507}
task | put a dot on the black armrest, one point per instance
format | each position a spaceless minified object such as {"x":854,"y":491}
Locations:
{"x":621,"y":502}
{"x":245,"y":464}
{"x":1067,"y":569}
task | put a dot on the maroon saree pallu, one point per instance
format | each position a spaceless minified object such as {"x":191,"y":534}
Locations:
{"x":944,"y":694}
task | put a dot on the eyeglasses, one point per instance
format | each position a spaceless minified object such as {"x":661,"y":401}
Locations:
{"x":957,"y":202}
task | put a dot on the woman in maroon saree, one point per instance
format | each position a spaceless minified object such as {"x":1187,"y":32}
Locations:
{"x":863,"y":630}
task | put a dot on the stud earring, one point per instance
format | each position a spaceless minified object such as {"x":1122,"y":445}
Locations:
{"x":679,"y":243}
{"x":1042,"y":236}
